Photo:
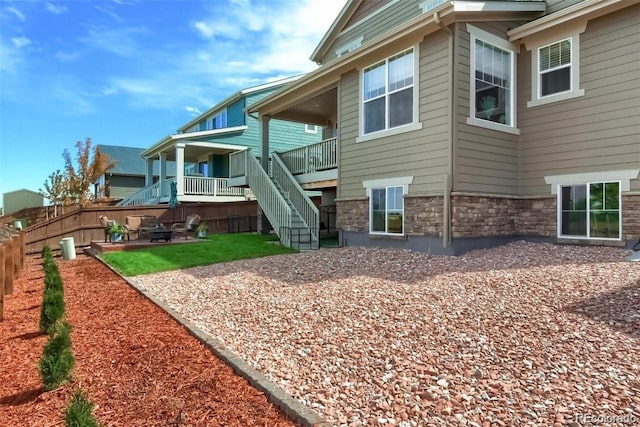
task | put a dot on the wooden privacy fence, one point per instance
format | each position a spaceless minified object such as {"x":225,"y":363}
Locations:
{"x":84,"y":226}
{"x":12,"y":253}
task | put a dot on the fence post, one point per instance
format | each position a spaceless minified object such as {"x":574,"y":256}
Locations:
{"x":16,"y":256}
{"x":8,"y":267}
{"x":2,"y":254}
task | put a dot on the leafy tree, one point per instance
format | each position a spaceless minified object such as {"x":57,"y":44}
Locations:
{"x":55,"y":189}
{"x":91,"y":165}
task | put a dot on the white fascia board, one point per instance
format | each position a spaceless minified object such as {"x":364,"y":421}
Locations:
{"x":212,"y":132}
{"x":578,"y":10}
{"x":274,"y":83}
{"x":321,"y":48}
{"x":169,"y":141}
{"x":499,"y":6}
{"x":219,"y":106}
{"x":206,"y":144}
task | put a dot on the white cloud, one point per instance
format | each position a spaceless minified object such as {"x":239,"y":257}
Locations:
{"x":109,"y":12}
{"x":194,"y":111}
{"x":108,"y":91}
{"x":55,"y":9}
{"x":20,"y":42}
{"x":16,"y":13}
{"x":120,"y":42}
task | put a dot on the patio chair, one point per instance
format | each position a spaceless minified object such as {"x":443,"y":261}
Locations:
{"x":106,"y":224}
{"x":190,"y":224}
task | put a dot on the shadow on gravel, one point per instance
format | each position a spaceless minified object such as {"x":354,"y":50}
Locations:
{"x":22,"y":397}
{"x":618,"y":310}
{"x":29,"y":335}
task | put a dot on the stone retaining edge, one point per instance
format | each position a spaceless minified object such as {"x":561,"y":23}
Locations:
{"x":295,"y":410}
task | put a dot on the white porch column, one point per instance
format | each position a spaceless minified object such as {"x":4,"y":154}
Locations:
{"x":163,"y":173}
{"x":264,"y":137}
{"x":148,"y":177}
{"x":180,"y":168}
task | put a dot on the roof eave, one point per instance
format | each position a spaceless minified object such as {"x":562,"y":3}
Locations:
{"x":344,"y":14}
{"x":587,"y":9}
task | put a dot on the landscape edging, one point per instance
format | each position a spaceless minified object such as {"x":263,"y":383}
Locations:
{"x":295,"y":410}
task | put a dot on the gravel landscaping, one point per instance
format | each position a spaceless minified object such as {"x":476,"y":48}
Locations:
{"x":524,"y":334}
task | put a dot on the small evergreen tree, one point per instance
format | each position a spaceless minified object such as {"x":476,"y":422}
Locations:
{"x":52,"y":310}
{"x":46,"y":252}
{"x":79,"y":413}
{"x":57,"y":360}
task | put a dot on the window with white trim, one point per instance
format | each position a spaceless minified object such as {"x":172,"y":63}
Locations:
{"x":311,"y":128}
{"x":387,"y":210}
{"x":590,"y":210}
{"x":219,"y":121}
{"x":388,"y":93}
{"x":493,"y":83}
{"x":554,"y":68}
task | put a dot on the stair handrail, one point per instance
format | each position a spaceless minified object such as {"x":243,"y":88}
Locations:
{"x":271,"y":202}
{"x":142,"y":196}
{"x":298,"y":197}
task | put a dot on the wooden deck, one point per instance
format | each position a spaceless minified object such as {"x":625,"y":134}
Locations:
{"x":128,"y":245}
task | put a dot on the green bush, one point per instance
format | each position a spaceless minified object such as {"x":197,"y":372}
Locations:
{"x":52,"y":279}
{"x":79,"y":413}
{"x":46,"y":252}
{"x":52,"y":310}
{"x":57,"y":359}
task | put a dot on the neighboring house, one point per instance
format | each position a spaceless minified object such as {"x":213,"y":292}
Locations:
{"x":14,"y":201}
{"x":466,"y":124}
{"x":129,"y":174}
{"x":201,"y":149}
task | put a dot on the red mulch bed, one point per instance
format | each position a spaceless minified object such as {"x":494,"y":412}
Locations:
{"x":134,"y":362}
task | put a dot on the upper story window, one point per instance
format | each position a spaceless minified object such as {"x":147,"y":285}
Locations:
{"x":492,"y":92}
{"x":555,"y":68}
{"x":388,"y":93}
{"x":217,"y":122}
{"x":311,"y":128}
{"x":554,"y":62}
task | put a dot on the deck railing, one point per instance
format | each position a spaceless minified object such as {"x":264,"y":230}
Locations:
{"x":312,"y":158}
{"x":297,"y":196}
{"x":200,"y":186}
{"x":272,"y":203}
{"x":145,"y":196}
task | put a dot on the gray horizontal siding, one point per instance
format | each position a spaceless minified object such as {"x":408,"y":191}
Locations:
{"x":599,"y":131}
{"x":485,"y":160}
{"x":378,"y":24}
{"x":422,"y":154}
{"x":556,"y":5}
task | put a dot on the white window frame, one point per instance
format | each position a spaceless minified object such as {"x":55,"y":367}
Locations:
{"x":387,"y":131}
{"x":588,"y":212}
{"x":311,"y":128}
{"x":476,"y":33}
{"x":386,"y":183}
{"x":571,"y":33}
{"x":211,"y":120}
{"x":623,"y":176}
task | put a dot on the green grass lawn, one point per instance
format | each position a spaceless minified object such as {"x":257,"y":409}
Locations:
{"x":216,"y":248}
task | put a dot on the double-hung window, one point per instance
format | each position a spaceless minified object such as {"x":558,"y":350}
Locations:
{"x":554,"y":68}
{"x":387,"y":210}
{"x":388,"y":93}
{"x":590,"y":210}
{"x":492,"y":92}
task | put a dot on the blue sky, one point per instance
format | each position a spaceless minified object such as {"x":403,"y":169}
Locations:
{"x":129,"y":72}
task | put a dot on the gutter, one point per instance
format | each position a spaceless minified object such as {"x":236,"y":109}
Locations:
{"x":448,"y":177}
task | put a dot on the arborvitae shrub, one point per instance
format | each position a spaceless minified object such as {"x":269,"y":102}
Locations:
{"x":57,"y":359}
{"x":52,"y":310}
{"x":79,"y":413}
{"x":52,"y":279}
{"x":46,"y":252}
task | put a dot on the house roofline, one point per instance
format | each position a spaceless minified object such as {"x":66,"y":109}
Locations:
{"x":168,"y":140}
{"x":344,"y":15}
{"x":236,"y":96}
{"x":416,"y":28}
{"x":587,"y":9}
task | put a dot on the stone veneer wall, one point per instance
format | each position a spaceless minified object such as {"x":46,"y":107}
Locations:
{"x":480,"y":216}
{"x":423,"y":216}
{"x":631,"y":217}
{"x":353,"y":215}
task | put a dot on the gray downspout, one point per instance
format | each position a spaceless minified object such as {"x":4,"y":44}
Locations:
{"x":448,"y":177}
